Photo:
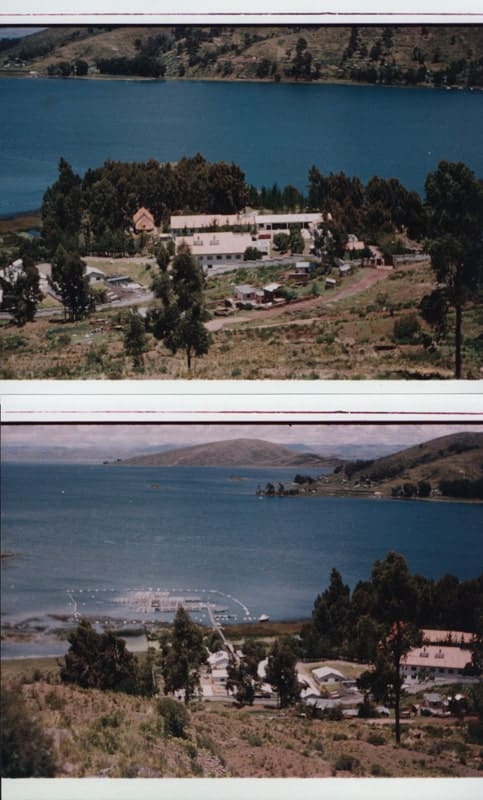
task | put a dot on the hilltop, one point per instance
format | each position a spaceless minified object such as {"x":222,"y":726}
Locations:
{"x":451,"y":466}
{"x":434,"y":55}
{"x":231,"y":453}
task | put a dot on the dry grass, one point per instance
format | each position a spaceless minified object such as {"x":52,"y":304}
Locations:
{"x":328,"y":338}
{"x":114,"y":735}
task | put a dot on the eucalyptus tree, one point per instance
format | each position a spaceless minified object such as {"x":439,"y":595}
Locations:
{"x":455,"y":218}
{"x":179,"y":319}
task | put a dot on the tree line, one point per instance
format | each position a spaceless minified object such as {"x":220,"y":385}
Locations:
{"x":346,"y":624}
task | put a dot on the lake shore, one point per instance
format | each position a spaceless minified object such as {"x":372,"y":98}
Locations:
{"x":19,"y":75}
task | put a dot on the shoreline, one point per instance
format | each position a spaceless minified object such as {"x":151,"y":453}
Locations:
{"x":213,"y":79}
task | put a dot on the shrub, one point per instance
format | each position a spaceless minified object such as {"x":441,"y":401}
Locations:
{"x":406,"y":328}
{"x":25,"y":751}
{"x":378,"y":771}
{"x":54,"y":702}
{"x":376,"y":739}
{"x":254,"y":740}
{"x":175,"y":717}
{"x":346,"y":763}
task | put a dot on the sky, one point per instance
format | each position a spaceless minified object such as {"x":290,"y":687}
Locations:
{"x":110,"y":441}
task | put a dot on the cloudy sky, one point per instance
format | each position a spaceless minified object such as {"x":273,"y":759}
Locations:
{"x":85,"y":442}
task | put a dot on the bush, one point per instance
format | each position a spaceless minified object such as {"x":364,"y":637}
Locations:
{"x":25,"y":751}
{"x":175,"y":717}
{"x":346,"y":763}
{"x":406,"y":328}
{"x":376,"y":739}
{"x":379,"y":771}
{"x":54,"y":702}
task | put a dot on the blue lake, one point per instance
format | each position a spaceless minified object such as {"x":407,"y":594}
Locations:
{"x":98,"y":533}
{"x":275,"y":132}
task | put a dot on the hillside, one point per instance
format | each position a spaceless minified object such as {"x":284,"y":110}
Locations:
{"x":451,"y":466}
{"x":231,"y":453}
{"x":397,"y":54}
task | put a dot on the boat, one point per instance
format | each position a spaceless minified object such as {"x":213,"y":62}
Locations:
{"x":263,"y":618}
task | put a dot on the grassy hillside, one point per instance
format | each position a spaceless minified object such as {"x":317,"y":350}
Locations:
{"x":105,"y":734}
{"x":396,"y":54}
{"x":343,"y":334}
{"x":445,"y":463}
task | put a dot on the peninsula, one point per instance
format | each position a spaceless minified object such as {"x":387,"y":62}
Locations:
{"x":449,"y":467}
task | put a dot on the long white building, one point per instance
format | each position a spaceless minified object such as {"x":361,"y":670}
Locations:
{"x":220,"y":249}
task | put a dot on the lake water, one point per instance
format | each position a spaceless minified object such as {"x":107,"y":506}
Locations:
{"x":275,"y":132}
{"x":95,"y":535}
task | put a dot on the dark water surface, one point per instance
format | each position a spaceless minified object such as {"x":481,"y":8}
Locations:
{"x":275,"y":132}
{"x":96,"y":533}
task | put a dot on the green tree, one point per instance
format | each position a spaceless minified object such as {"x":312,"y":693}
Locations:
{"x":254,"y":651}
{"x":25,"y":750}
{"x":179,"y":320}
{"x":252,"y":254}
{"x":281,"y":672}
{"x":296,"y":241}
{"x":281,"y":242}
{"x":328,"y":629}
{"x":395,"y":609}
{"x":240,"y":681}
{"x":68,"y":280}
{"x":183,"y":655}
{"x":21,"y":293}
{"x":455,"y":202}
{"x":175,"y":716}
{"x":61,"y":210}
{"x":135,"y":340}
{"x":100,"y":661}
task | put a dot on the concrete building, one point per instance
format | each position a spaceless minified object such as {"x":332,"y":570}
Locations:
{"x":221,"y":249}
{"x":282,"y":222}
{"x":435,"y":662}
{"x":188,"y":224}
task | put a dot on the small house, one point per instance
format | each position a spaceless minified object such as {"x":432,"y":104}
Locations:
{"x":143,"y":220}
{"x":93,"y":275}
{"x":270,"y":292}
{"x":324,"y":675}
{"x":245,"y":293}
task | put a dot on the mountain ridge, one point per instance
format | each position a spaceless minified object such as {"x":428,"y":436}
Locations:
{"x":408,"y":55}
{"x":241,"y":452}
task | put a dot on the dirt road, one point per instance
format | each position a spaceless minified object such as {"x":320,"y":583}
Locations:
{"x":368,"y":278}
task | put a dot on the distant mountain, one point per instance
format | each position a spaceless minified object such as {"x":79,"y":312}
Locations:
{"x":231,"y":453}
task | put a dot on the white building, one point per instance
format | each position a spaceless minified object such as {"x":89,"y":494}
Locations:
{"x":94,"y":275}
{"x":436,"y":662}
{"x":282,"y":222}
{"x":221,"y":249}
{"x":324,"y":675}
{"x":188,"y":224}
